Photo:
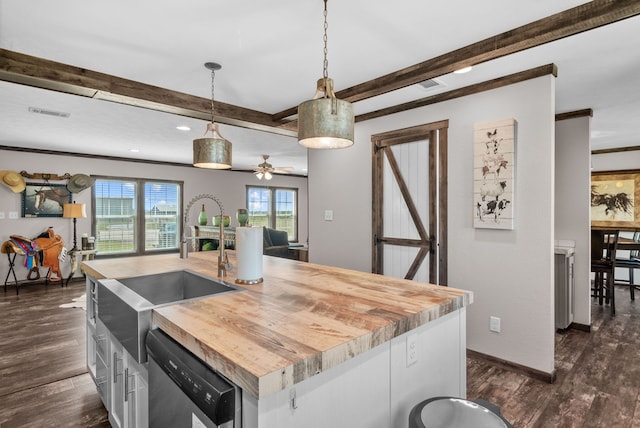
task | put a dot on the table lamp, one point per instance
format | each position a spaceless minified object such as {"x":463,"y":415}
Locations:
{"x":74,"y":211}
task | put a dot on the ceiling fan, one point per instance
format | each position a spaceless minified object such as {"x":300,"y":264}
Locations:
{"x":266,"y":170}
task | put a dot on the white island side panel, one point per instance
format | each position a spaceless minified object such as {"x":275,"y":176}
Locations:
{"x":375,"y":389}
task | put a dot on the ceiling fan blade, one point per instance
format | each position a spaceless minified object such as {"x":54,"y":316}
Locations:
{"x":283,"y":169}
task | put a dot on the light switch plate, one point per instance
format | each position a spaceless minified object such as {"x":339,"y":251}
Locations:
{"x":13,"y":215}
{"x":494,"y":324}
{"x":328,"y":215}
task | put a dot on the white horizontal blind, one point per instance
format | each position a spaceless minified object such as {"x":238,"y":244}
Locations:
{"x":115,"y":216}
{"x":161,"y":202}
{"x":121,"y":205}
{"x":274,"y":207}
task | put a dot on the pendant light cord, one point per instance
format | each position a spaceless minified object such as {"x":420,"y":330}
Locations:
{"x":325,"y":64}
{"x":213,"y":106}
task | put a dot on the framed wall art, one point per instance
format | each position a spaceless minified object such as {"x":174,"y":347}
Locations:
{"x":615,"y":196}
{"x":44,"y":199}
{"x":494,"y":156}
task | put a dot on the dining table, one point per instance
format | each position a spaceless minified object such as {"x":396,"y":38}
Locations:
{"x":627,"y":244}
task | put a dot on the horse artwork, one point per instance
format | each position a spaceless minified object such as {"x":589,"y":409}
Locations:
{"x":493,"y":177}
{"x":44,"y":200}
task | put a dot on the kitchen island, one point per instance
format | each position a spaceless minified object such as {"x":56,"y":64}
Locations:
{"x":315,"y":345}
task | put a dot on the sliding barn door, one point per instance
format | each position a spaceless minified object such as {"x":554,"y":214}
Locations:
{"x":410,"y":203}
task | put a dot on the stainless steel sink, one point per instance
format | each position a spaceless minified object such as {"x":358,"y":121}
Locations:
{"x":125,"y":305}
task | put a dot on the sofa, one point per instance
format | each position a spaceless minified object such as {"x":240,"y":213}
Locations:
{"x":276,"y":243}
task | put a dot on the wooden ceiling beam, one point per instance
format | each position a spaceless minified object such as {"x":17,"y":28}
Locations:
{"x":37,"y":72}
{"x":554,"y":27}
{"x":549,"y":69}
{"x":42,"y":73}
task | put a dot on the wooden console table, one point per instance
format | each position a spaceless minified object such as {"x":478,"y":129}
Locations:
{"x":298,"y":252}
{"x":77,"y":257}
{"x":212,"y":232}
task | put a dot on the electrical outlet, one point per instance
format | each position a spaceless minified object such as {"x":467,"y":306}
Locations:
{"x":494,"y":324}
{"x":328,"y":215}
{"x":1,"y":215}
{"x":412,"y":349}
{"x":13,"y":215}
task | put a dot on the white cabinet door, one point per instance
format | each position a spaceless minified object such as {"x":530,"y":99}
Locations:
{"x":137,"y":394}
{"x":102,"y":345}
{"x":353,"y":394}
{"x":91,"y":296}
{"x":116,"y":384}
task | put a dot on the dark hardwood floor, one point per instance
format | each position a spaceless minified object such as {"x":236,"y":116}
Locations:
{"x":44,"y":382}
{"x":598,"y":376}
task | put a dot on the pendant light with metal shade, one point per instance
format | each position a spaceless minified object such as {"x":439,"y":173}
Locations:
{"x":212,"y":152}
{"x":325,"y":122}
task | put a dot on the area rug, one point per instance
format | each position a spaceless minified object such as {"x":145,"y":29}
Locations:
{"x":78,"y":302}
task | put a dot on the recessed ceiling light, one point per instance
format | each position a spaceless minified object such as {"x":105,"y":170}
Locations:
{"x":183,"y":128}
{"x":134,"y":150}
{"x":463,"y":70}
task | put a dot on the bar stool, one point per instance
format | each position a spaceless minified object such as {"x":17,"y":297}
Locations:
{"x":632,"y":263}
{"x":451,"y":412}
{"x":603,"y":265}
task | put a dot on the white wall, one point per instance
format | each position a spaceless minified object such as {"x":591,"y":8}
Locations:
{"x":228,"y":186}
{"x":510,"y":272}
{"x":616,"y":161}
{"x":572,"y":213}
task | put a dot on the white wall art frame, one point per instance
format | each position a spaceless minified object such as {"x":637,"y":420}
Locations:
{"x":494,"y":156}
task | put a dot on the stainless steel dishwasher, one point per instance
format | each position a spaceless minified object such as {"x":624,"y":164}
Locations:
{"x":185,"y":392}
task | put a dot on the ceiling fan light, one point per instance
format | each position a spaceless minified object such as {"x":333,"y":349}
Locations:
{"x":259,"y":174}
{"x":213,"y":152}
{"x":268,"y":176}
{"x":325,"y":123}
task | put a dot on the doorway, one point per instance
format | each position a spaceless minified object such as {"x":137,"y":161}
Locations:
{"x":410,"y":203}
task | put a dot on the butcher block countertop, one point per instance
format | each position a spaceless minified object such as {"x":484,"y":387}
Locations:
{"x":302,"y":320}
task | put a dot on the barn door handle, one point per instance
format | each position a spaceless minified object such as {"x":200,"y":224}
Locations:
{"x":432,"y":244}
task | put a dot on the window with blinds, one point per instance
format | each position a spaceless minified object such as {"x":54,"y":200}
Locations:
{"x":136,"y":216}
{"x":274,"y":207}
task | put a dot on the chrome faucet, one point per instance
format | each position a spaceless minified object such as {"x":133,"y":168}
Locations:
{"x":223,"y":260}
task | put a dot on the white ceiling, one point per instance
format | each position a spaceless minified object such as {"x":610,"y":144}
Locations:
{"x":271,"y":56}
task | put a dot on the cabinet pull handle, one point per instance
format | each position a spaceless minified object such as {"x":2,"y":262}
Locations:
{"x":126,"y":385}
{"x":115,"y":367}
{"x":115,"y":370}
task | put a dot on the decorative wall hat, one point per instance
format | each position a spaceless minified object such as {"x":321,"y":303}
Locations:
{"x":13,"y":180}
{"x":78,"y":182}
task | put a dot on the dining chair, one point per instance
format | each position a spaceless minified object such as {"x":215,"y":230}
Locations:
{"x":632,"y":263}
{"x":603,"y":264}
